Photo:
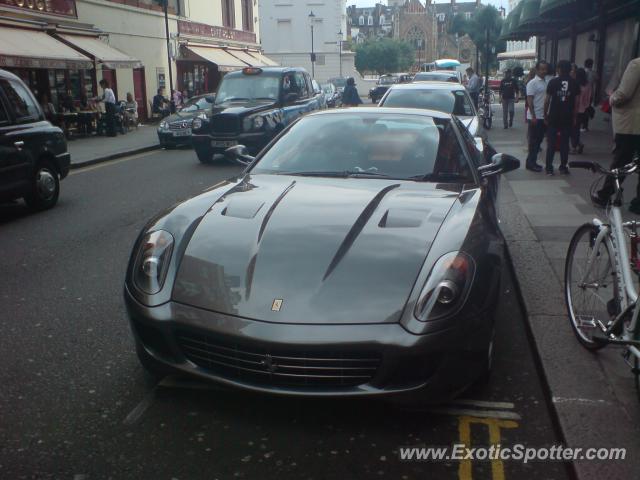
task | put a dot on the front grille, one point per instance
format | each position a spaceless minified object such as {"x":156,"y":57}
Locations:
{"x":225,"y":123}
{"x":180,"y":125}
{"x":278,"y":366}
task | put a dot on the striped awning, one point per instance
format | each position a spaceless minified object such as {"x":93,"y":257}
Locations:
{"x":101,"y":51}
{"x":219,"y":56}
{"x":36,"y":49}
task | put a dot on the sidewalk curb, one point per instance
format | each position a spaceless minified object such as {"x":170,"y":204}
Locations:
{"x":114,"y":156}
{"x":585,"y":412}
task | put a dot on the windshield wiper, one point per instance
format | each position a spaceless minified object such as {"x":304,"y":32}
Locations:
{"x":441,"y":177}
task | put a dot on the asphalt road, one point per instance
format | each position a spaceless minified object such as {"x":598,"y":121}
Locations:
{"x":75,"y":404}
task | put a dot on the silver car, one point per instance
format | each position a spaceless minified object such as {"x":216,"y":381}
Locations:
{"x":444,"y":97}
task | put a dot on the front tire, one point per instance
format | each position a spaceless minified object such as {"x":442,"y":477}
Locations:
{"x":594,"y":301}
{"x":45,"y":187}
{"x":204,"y":157}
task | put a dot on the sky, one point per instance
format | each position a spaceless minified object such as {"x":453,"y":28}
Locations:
{"x":371,"y":3}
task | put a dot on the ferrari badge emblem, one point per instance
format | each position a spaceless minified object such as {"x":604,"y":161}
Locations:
{"x":276,"y":305}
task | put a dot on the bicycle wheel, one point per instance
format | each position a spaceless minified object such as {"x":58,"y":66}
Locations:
{"x":636,"y":374}
{"x":594,"y":301}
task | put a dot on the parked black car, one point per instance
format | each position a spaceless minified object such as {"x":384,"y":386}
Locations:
{"x":252,"y":106}
{"x":383,"y":84}
{"x":33,"y":153}
{"x":175,"y":130}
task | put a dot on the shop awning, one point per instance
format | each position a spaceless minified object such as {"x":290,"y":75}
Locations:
{"x":518,"y":54}
{"x":101,"y":51}
{"x":264,"y":59}
{"x":246,"y":57}
{"x":224,"y":60}
{"x":36,"y":49}
{"x":568,"y":10}
{"x":510,"y":26}
{"x":531,"y":21}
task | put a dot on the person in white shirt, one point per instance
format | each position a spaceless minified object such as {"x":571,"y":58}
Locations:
{"x":536,"y":93}
{"x":473,"y":86}
{"x":109,"y":99}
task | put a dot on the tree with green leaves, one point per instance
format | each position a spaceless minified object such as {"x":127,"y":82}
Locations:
{"x":487,"y":17}
{"x":384,"y":56}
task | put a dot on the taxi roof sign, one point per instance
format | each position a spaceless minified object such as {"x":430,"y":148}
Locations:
{"x":251,"y":71}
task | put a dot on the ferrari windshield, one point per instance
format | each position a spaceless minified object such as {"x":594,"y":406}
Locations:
{"x":448,"y":101}
{"x":247,"y":88}
{"x":369,"y":145}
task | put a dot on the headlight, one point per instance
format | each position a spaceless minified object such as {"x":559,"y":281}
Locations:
{"x":447,"y":287}
{"x":153,"y":261}
{"x":164,"y":125}
{"x":197,"y":123}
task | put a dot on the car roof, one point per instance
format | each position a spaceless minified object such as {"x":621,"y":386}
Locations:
{"x":453,"y":73}
{"x":270,"y":70}
{"x":421,"y":112}
{"x":8,"y":75}
{"x":418,"y":85}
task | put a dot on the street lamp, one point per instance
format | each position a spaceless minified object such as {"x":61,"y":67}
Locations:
{"x":340,"y":47}
{"x":313,"y":53}
{"x":165,"y":4}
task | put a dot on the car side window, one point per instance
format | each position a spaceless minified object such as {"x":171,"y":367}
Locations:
{"x":300,"y":85}
{"x":470,"y":143}
{"x":20,"y":100}
{"x":4,"y":115}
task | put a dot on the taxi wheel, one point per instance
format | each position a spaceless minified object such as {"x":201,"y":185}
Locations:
{"x":204,"y":157}
{"x":45,"y":187}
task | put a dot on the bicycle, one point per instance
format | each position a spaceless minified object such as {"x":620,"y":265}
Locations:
{"x":485,"y":112}
{"x":600,"y":266}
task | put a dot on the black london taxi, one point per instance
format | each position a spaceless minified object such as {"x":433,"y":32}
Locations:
{"x":33,"y":153}
{"x":252,"y":106}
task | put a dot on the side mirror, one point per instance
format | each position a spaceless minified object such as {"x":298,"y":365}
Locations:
{"x":239,"y":154}
{"x":210,"y":98}
{"x":500,"y":163}
{"x":291,"y":97}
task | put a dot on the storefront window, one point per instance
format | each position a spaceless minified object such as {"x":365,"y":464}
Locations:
{"x":585,"y":48}
{"x":618,"y":52}
{"x":564,"y":49}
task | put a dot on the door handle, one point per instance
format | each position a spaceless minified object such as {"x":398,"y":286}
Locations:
{"x":19,"y":145}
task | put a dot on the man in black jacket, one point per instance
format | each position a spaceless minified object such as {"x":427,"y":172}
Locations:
{"x":508,"y":97}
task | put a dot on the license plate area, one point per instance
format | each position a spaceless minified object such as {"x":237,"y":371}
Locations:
{"x":223,"y":143}
{"x":182,"y":133}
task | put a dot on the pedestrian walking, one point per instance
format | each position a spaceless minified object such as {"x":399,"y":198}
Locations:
{"x":350,"y":96}
{"x":508,"y":96}
{"x":536,"y":91}
{"x":625,"y":108}
{"x":560,"y":115}
{"x":584,"y":102}
{"x":473,"y":85}
{"x":109,"y":99}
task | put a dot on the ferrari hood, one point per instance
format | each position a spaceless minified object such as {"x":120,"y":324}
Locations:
{"x":296,"y":249}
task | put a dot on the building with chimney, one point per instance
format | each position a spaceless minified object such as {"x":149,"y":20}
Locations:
{"x":415,"y":23}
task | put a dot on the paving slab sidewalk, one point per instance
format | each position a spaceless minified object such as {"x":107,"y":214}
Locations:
{"x":592,"y":394}
{"x":95,"y":149}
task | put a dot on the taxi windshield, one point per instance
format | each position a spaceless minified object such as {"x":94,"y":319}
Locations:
{"x":248,"y":88}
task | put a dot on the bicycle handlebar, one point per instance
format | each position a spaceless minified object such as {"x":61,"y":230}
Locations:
{"x":597,"y":168}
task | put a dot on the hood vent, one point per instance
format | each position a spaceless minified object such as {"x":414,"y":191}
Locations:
{"x":242,"y":208}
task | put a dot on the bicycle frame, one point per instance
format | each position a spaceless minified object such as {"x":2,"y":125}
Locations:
{"x":614,"y":235}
